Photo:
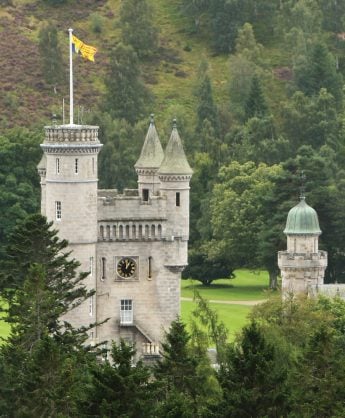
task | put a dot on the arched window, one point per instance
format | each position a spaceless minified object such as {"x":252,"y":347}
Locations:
{"x":147,"y":230}
{"x":127,"y":232}
{"x":134,"y":232}
{"x":114,"y":232}
{"x":159,"y":231}
{"x":121,"y":232}
{"x":153,"y":231}
{"x":101,"y":231}
{"x":108,"y":232}
{"x":140,"y":232}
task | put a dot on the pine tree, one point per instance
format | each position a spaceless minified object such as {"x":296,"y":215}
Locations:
{"x":118,"y":388}
{"x":184,"y":377}
{"x":254,"y":378}
{"x":51,"y":56}
{"x":137,"y":27}
{"x":255,"y":105}
{"x":126,"y":95}
{"x":319,"y":71}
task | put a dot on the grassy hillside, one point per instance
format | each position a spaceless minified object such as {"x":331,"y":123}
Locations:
{"x":171,"y":75}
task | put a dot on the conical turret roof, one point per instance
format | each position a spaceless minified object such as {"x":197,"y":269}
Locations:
{"x":175,"y":160}
{"x":302,"y":219}
{"x":152,"y":154}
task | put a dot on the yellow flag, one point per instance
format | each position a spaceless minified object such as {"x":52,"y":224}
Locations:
{"x":86,"y":51}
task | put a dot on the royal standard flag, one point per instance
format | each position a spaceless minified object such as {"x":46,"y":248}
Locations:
{"x":86,"y":51}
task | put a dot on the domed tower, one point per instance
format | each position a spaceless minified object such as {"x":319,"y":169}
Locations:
{"x":69,"y":181}
{"x":302,"y":265}
{"x":174,"y":175}
{"x":150,"y":160}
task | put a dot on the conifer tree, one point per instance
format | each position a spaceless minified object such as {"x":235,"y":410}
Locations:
{"x":137,"y":27}
{"x":51,"y":56}
{"x":119,"y":388}
{"x":254,"y":377}
{"x":43,"y":363}
{"x":126,"y":95}
{"x":255,"y":105}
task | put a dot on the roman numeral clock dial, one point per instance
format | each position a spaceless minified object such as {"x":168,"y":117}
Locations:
{"x":126,"y":267}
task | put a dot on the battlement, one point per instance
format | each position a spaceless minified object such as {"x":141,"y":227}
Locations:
{"x":71,"y":134}
{"x":129,"y":205}
{"x":302,"y":260}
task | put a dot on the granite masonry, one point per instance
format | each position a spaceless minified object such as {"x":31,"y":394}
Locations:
{"x":134,"y":244}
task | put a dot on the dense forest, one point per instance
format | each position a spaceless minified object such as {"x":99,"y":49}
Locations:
{"x":256,"y":87}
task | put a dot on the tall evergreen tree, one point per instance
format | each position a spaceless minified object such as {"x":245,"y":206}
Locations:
{"x":137,"y":27}
{"x":319,"y":71}
{"x":43,"y":364}
{"x":119,"y":388}
{"x":126,"y":95}
{"x":184,"y":389}
{"x":254,"y":377}
{"x":256,"y":105}
{"x":51,"y":56}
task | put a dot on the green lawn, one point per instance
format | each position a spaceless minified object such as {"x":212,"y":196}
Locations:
{"x":233,"y":316}
{"x":246,"y":285}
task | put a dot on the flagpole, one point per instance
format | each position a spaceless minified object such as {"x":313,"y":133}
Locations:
{"x":70,"y":78}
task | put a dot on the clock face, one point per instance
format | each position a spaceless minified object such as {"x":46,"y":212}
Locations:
{"x":126,"y":267}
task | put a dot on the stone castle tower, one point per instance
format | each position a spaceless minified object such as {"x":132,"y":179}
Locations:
{"x":133,"y":244}
{"x":302,"y":265}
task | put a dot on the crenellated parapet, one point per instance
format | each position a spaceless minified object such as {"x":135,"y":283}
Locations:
{"x":71,"y":133}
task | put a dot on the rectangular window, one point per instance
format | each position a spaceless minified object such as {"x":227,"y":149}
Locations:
{"x":126,"y":312}
{"x":178,"y":201}
{"x":91,"y":305}
{"x":104,"y":268}
{"x":91,"y":266}
{"x":58,"y":210}
{"x":57,"y":165}
{"x":76,"y":166}
{"x":93,"y":165}
{"x":145,"y":195}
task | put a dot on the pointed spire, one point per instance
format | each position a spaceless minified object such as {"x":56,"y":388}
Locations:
{"x":175,"y":160}
{"x":152,"y":154}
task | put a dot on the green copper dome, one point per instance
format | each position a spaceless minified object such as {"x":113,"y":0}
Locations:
{"x":302,"y":219}
{"x":152,"y":152}
{"x":175,"y":160}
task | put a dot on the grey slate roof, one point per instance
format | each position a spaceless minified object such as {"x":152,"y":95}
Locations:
{"x":152,"y":154}
{"x":302,"y":219}
{"x":175,"y":160}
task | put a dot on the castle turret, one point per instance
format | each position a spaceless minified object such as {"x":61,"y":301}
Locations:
{"x":302,"y":265}
{"x":69,"y":180}
{"x":150,"y":159}
{"x":175,"y":174}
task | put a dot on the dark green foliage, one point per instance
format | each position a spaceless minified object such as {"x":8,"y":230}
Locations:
{"x":186,"y":388}
{"x":254,"y":377}
{"x":122,"y":144}
{"x":120,"y":389}
{"x":43,"y":363}
{"x":37,"y":272}
{"x":205,"y":270}
{"x":126,"y":95}
{"x":317,"y":71}
{"x":206,"y":108}
{"x":51,"y":58}
{"x":137,"y":27}
{"x":227,"y":16}
{"x":255,"y":105}
{"x":19,"y":182}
